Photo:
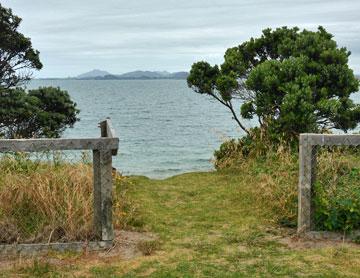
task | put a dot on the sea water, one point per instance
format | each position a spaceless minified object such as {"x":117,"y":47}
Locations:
{"x":164,"y":127}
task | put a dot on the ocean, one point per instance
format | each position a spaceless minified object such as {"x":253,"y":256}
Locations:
{"x":164,"y":127}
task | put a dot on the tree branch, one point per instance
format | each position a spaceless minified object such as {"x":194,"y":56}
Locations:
{"x":230,"y":106}
{"x":236,"y":118}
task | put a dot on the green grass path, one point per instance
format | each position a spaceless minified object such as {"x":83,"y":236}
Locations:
{"x":211,"y":226}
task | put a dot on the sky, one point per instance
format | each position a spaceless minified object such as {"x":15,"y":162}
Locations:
{"x":75,"y":36}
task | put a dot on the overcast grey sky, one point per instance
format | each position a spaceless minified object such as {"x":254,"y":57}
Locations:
{"x":75,"y":36}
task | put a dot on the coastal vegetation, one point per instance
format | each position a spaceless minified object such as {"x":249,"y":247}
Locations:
{"x":336,"y":191}
{"x":50,"y":199}
{"x":237,"y":221}
{"x":44,"y":112}
{"x":216,"y":224}
{"x":290,"y":81}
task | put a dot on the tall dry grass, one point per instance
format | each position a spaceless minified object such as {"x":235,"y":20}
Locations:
{"x":40,"y":202}
{"x":276,"y":179}
{"x":49,"y":202}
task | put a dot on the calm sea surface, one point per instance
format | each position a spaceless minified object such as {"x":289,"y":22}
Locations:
{"x":164,"y":127}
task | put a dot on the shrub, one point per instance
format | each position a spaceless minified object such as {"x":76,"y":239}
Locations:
{"x":233,"y":152}
{"x":230,"y":153}
{"x":337,"y":191}
{"x":256,"y":144}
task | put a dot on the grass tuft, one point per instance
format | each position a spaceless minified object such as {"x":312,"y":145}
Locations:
{"x":148,"y":247}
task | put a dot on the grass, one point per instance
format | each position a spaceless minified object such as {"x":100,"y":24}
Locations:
{"x":338,"y":191}
{"x":148,"y":247}
{"x":41,"y":202}
{"x":211,"y":225}
{"x":50,"y":201}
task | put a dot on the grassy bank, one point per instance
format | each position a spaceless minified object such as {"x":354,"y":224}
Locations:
{"x":215,"y":224}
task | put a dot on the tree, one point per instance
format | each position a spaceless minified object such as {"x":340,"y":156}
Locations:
{"x":292,"y":81}
{"x":17,"y":56}
{"x":44,"y":112}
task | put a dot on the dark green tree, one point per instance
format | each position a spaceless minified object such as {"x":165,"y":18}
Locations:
{"x":44,"y":112}
{"x":17,"y":56}
{"x":292,"y":81}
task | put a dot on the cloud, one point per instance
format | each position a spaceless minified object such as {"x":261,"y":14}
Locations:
{"x":117,"y":35}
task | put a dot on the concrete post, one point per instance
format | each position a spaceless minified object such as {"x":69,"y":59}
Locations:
{"x":102,"y":165}
{"x":307,"y":170}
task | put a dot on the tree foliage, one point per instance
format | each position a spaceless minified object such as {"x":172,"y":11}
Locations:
{"x":17,"y":56}
{"x":292,"y":81}
{"x":44,"y":112}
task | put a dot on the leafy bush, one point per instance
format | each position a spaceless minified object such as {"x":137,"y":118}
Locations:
{"x":337,"y":192}
{"x":229,"y":153}
{"x":256,"y":144}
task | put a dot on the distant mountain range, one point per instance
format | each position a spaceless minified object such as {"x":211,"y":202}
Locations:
{"x":104,"y":75}
{"x":93,"y":73}
{"x":97,"y":74}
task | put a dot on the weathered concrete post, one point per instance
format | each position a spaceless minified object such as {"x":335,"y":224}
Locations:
{"x":307,"y":170}
{"x":102,"y":163}
{"x":97,"y":194}
{"x":309,"y":144}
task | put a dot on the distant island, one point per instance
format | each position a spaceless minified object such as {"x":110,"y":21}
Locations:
{"x":97,"y":74}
